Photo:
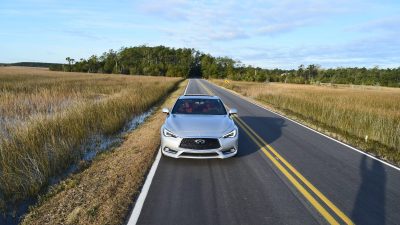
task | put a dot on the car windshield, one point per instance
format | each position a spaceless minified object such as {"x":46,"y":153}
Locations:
{"x":199,"y":106}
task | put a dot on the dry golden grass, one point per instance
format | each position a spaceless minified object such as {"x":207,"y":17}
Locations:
{"x":104,"y":192}
{"x":28,"y":93}
{"x":47,"y":116}
{"x":352,"y":113}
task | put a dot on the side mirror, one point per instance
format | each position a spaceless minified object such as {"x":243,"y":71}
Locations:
{"x":165,"y":110}
{"x":232,"y":111}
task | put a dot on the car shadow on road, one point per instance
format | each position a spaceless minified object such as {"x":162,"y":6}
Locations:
{"x":369,"y":206}
{"x":268,"y":128}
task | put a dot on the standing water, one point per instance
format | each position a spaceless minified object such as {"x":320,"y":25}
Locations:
{"x":94,"y":145}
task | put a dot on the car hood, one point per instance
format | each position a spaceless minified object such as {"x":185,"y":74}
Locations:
{"x":199,"y":125}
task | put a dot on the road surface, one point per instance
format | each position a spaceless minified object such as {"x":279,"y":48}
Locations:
{"x":284,"y":173}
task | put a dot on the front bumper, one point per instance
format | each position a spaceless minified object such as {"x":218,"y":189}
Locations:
{"x":170,"y":147}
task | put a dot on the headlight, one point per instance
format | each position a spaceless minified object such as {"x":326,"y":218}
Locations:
{"x":230,"y":134}
{"x":168,"y":133}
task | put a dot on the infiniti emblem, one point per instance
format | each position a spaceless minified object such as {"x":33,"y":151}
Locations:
{"x":200,"y":141}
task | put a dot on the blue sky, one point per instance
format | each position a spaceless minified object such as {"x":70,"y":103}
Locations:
{"x":268,"y":34}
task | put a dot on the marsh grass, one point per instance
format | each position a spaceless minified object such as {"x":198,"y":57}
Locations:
{"x":105,"y":192}
{"x":368,"y":117}
{"x":47,"y":116}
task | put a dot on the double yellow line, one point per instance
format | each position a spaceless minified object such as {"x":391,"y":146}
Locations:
{"x":284,"y":166}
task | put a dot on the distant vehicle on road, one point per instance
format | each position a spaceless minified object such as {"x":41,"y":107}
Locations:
{"x":199,"y":126}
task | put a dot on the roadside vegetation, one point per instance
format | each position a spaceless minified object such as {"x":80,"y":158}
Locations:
{"x":46,"y":117}
{"x":366,"y":117}
{"x":104,"y":193}
{"x":185,"y":62}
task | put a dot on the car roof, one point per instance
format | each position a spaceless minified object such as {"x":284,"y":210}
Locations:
{"x":198,"y":96}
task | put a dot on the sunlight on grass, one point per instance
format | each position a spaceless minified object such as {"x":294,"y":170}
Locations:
{"x":368,"y":115}
{"x":47,"y":116}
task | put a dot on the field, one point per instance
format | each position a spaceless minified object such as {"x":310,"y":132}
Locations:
{"x":46,"y":117}
{"x":104,"y":192}
{"x":367,"y":117}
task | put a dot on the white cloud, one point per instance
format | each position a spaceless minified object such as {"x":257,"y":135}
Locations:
{"x":213,"y":19}
{"x":389,"y":24}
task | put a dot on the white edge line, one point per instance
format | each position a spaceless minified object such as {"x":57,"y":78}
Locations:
{"x":145,"y":189}
{"x":263,"y":107}
{"x":184,"y":93}
{"x":143,"y":194}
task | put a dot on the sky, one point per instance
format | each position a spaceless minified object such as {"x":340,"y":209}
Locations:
{"x":268,"y":34}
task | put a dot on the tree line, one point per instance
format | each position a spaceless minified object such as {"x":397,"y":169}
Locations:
{"x":187,"y":62}
{"x":31,"y":64}
{"x":140,"y":60}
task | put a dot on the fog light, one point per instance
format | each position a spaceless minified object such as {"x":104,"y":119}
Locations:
{"x":166,"y":149}
{"x":229,"y":151}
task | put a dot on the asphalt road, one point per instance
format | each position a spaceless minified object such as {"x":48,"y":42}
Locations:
{"x":287,"y":175}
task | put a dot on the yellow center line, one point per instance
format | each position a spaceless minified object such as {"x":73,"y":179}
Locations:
{"x":301,"y":177}
{"x":299,"y":187}
{"x":261,"y":143}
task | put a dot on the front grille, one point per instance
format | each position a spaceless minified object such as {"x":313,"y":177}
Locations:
{"x":200,"y":143}
{"x":212,"y":154}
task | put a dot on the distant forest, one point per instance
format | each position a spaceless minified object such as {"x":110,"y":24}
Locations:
{"x":185,"y":62}
{"x":32,"y":64}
